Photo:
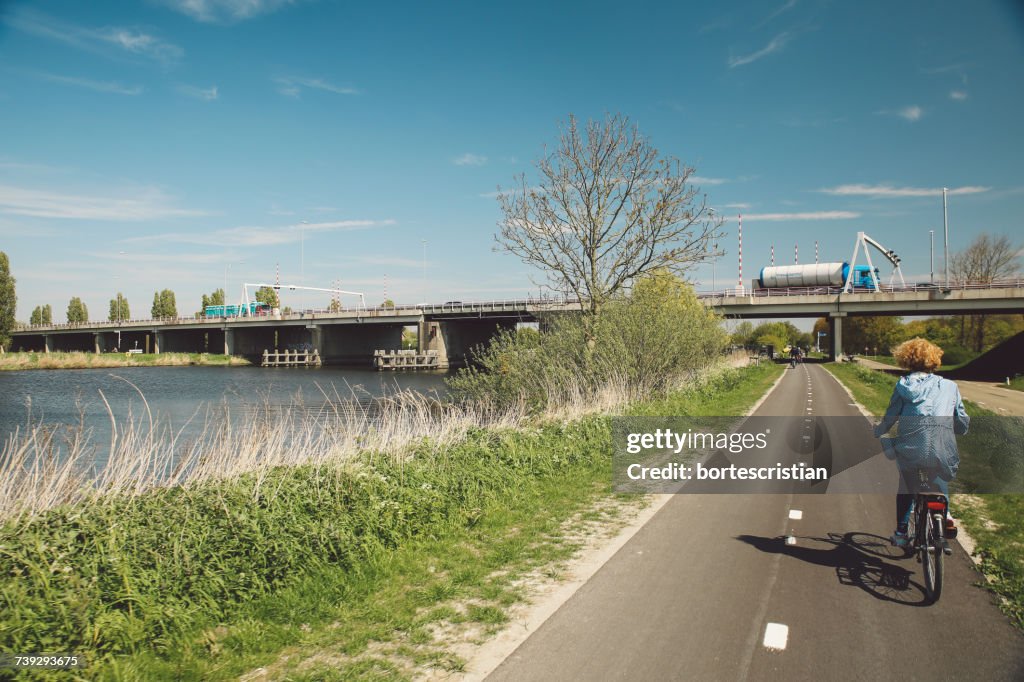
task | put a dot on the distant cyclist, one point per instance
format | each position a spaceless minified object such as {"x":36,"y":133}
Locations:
{"x":930,"y":413}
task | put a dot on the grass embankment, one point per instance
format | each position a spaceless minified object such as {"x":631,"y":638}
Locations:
{"x":79,"y":360}
{"x":1016,"y":383}
{"x":996,"y":522}
{"x":355,"y":569}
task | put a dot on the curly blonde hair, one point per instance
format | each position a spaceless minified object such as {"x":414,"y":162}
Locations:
{"x":918,"y":355}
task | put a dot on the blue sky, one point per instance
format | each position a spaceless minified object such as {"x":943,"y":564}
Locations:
{"x":147,"y":145}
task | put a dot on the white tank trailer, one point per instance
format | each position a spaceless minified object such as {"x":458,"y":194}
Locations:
{"x":816,"y":275}
{"x":812,"y":275}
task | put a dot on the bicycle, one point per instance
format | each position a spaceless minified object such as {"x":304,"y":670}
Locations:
{"x":928,"y":533}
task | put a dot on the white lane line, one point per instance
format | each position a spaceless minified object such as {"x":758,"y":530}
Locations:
{"x":775,"y":636}
{"x":796,"y":514}
{"x":790,"y":540}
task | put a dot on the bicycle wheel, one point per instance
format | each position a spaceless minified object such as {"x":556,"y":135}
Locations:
{"x":937,"y":533}
{"x":931,"y":556}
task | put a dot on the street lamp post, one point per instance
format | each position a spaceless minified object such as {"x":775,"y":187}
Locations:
{"x":931,"y":269}
{"x":302,"y":263}
{"x":945,"y":245}
{"x":227,"y":268}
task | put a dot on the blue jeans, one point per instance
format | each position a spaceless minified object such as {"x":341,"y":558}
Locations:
{"x":909,"y":484}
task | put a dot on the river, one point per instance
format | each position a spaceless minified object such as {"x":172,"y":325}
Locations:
{"x":181,"y":396}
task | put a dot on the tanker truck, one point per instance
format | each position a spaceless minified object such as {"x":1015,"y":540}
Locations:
{"x":816,"y":275}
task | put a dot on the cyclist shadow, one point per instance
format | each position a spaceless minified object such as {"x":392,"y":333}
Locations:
{"x":859,"y":560}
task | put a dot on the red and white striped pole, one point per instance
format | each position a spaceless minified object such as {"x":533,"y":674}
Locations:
{"x":740,"y":252}
{"x":773,"y":254}
{"x":815,"y":251}
{"x":796,"y":254}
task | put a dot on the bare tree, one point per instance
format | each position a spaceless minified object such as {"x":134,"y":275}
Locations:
{"x":607,"y":208}
{"x":986,"y":260}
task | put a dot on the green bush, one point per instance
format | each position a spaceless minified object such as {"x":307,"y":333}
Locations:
{"x":644,"y":343}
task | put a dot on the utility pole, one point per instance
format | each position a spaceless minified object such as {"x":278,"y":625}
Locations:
{"x":945,"y":246}
{"x":302,"y":263}
{"x":424,"y":287}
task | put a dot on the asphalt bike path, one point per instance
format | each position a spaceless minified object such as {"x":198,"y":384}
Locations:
{"x":774,"y":587}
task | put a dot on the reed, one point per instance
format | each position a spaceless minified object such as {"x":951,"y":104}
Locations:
{"x":42,"y":466}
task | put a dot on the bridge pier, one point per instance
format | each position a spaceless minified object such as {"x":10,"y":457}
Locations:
{"x":316,"y":336}
{"x":47,"y":343}
{"x":835,"y":331}
{"x":229,"y":341}
{"x":455,"y":340}
{"x":430,"y":336}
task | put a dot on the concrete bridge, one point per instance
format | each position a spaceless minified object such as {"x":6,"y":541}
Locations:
{"x":350,"y":336}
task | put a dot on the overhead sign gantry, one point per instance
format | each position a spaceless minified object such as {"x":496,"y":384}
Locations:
{"x":246,"y":310}
{"x":864,"y":240}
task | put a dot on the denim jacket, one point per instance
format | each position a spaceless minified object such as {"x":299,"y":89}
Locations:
{"x":930,"y":413}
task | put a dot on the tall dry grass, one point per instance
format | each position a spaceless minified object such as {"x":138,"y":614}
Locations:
{"x":42,"y":466}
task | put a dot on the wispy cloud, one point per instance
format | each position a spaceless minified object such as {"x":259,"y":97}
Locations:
{"x":958,"y":95}
{"x":226,"y":11}
{"x":142,"y":44}
{"x":469,"y":159}
{"x":776,"y":44}
{"x":144,"y":204}
{"x":700,"y":180}
{"x":806,"y":215}
{"x":254,"y":236}
{"x":208,"y":94}
{"x":110,"y":87}
{"x":177,"y":258}
{"x":912,"y":113}
{"x":396,"y":262}
{"x":117,"y":39}
{"x":9,"y":164}
{"x":790,"y":4}
{"x":292,"y":86}
{"x":958,"y":68}
{"x":740,"y":205}
{"x":888,"y":191}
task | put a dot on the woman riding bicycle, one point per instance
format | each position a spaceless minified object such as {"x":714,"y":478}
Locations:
{"x":930,"y":413}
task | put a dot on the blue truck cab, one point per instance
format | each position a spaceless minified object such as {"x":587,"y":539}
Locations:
{"x":861,"y":276}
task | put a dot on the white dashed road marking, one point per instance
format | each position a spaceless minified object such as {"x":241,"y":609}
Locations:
{"x":775,"y":636}
{"x":796,"y":514}
{"x":790,"y":540}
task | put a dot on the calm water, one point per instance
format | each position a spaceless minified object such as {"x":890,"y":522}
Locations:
{"x":181,"y":396}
